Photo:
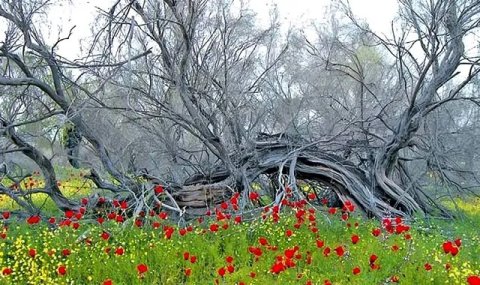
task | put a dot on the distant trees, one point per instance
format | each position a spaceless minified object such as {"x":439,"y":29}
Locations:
{"x":195,"y":96}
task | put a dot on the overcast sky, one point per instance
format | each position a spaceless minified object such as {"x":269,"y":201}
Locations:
{"x":81,"y":13}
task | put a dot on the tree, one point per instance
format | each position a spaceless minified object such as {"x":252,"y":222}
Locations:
{"x":194,"y":96}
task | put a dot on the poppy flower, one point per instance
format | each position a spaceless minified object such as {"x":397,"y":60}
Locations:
{"x":32,"y":252}
{"x":253,"y":196}
{"x":332,"y":211}
{"x":356,"y":270}
{"x":288,"y":233}
{"x":340,"y":251}
{"x":252,"y":274}
{"x":62,"y":270}
{"x":100,"y":220}
{"x":229,"y":259}
{"x":447,"y":246}
{"x":230,"y":268}
{"x":158,"y":189}
{"x":52,"y":220}
{"x":182,"y":232}
{"x":186,"y":255}
{"x":473,"y":280}
{"x":238,"y":219}
{"x":108,"y":282}
{"x":373,"y":258}
{"x":221,"y":271}
{"x":355,"y":239}
{"x":188,"y":272}
{"x":6,"y":215}
{"x":193,"y":259}
{"x":224,"y":205}
{"x":348,"y":206}
{"x":105,"y":235}
{"x":69,"y":214}
{"x":32,"y":220}
{"x":66,"y":252}
{"x":458,"y":242}
{"x":277,"y":268}
{"x":327,"y":282}
{"x":427,"y":266}
{"x":7,"y":271}
{"x":326,"y":251}
{"x":213,"y":227}
{"x":142,"y":268}
{"x":320,"y":243}
{"x":84,"y":201}
{"x":119,"y":251}
{"x":376,"y":232}
{"x":123,"y":205}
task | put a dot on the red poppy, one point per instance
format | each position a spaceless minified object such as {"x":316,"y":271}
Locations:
{"x":62,"y":270}
{"x":230,"y":268}
{"x":355,"y":239}
{"x":100,"y":220}
{"x":224,"y":205}
{"x":288,"y":233}
{"x":229,"y":259}
{"x":221,"y":271}
{"x":326,"y":251}
{"x":32,"y":220}
{"x":252,"y":274}
{"x":105,"y":235}
{"x":32,"y":252}
{"x":108,"y":282}
{"x":348,"y":206}
{"x":119,"y":219}
{"x":373,"y":258}
{"x":332,"y":211}
{"x":473,"y":280}
{"x":188,"y":272}
{"x":376,"y":232}
{"x":123,"y":205}
{"x":277,"y":268}
{"x":262,"y":240}
{"x":142,"y":268}
{"x":253,"y":196}
{"x":75,"y":226}
{"x":193,"y":259}
{"x":119,"y":251}
{"x":155,"y":225}
{"x":186,"y":255}
{"x":320,"y":243}
{"x":427,"y":266}
{"x":7,"y":271}
{"x":69,"y":214}
{"x":6,"y":215}
{"x":213,"y":227}
{"x":52,"y":220}
{"x":340,"y":251}
{"x":238,"y":219}
{"x":458,"y":242}
{"x":66,"y":252}
{"x":163,"y":215}
{"x":356,"y":270}
{"x":111,"y":215}
{"x":158,"y":189}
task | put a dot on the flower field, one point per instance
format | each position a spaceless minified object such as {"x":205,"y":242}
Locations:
{"x":292,"y":245}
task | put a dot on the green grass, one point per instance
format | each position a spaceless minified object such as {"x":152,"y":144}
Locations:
{"x":90,"y":264}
